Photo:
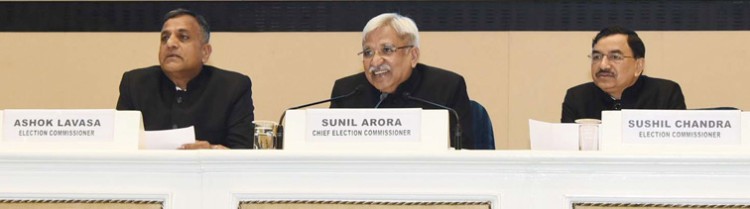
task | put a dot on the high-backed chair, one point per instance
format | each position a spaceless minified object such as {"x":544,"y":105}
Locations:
{"x":482,"y":127}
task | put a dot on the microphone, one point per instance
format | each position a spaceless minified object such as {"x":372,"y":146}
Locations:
{"x":280,"y":128}
{"x":457,"y":134}
{"x":382,"y":98}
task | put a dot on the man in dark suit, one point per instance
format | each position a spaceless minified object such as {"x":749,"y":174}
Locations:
{"x":182,"y":91}
{"x":617,"y":64}
{"x":390,"y":57}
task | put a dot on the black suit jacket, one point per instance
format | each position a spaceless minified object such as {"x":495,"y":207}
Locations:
{"x":587,"y":100}
{"x":426,"y":82}
{"x":217,"y":102}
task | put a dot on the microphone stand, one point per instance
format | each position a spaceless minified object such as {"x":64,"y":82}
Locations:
{"x":382,"y":98}
{"x":457,"y":133}
{"x":280,"y":128}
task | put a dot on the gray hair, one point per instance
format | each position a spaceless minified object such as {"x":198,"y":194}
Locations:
{"x":201,"y":21}
{"x":404,"y":27}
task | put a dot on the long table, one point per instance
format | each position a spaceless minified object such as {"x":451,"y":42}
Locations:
{"x":211,"y":179}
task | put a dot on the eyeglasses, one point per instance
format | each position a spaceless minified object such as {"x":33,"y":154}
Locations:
{"x":615,"y":57}
{"x":385,"y":51}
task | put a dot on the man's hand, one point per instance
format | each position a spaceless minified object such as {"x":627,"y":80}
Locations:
{"x":200,"y":144}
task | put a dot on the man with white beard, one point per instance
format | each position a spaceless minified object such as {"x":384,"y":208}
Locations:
{"x":390,"y":56}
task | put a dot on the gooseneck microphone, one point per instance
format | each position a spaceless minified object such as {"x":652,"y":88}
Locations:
{"x":382,"y":98}
{"x":280,"y":128}
{"x":457,"y":133}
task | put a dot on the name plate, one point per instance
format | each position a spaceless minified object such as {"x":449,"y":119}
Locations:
{"x":363,"y":125}
{"x":687,"y":127}
{"x":58,"y":125}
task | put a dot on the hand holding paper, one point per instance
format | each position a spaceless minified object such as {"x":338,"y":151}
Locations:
{"x":169,"y":139}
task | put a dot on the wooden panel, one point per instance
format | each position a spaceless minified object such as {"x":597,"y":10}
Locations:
{"x":361,"y":205}
{"x":515,"y":75}
{"x":80,"y":204}
{"x":652,"y":206}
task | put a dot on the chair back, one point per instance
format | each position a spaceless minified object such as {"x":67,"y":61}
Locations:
{"x":482,"y":127}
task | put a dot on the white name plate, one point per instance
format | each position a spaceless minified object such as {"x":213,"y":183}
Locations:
{"x":683,"y":127}
{"x":395,"y":125}
{"x":58,"y":125}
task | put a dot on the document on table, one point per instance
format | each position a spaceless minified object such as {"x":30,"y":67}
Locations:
{"x":169,"y":139}
{"x":553,"y":136}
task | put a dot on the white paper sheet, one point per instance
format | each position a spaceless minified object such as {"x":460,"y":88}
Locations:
{"x":553,"y":136}
{"x":169,"y":139}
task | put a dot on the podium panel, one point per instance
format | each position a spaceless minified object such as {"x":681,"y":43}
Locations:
{"x":227,"y":179}
{"x":80,"y":204}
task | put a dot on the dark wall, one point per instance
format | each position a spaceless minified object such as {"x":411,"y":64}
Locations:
{"x":275,"y":16}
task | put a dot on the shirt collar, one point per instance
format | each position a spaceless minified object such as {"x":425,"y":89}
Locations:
{"x":628,"y":95}
{"x":194,"y":83}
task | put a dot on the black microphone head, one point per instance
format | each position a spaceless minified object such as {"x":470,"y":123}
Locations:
{"x":407,"y":94}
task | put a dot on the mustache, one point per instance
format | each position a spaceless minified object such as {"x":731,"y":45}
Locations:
{"x":172,"y":55}
{"x":604,"y":71}
{"x":379,"y":68}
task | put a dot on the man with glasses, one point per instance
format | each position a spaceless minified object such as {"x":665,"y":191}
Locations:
{"x":617,"y":64}
{"x":183,"y":92}
{"x":390,"y":55}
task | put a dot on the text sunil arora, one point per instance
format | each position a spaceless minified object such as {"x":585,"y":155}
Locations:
{"x":365,"y":122}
